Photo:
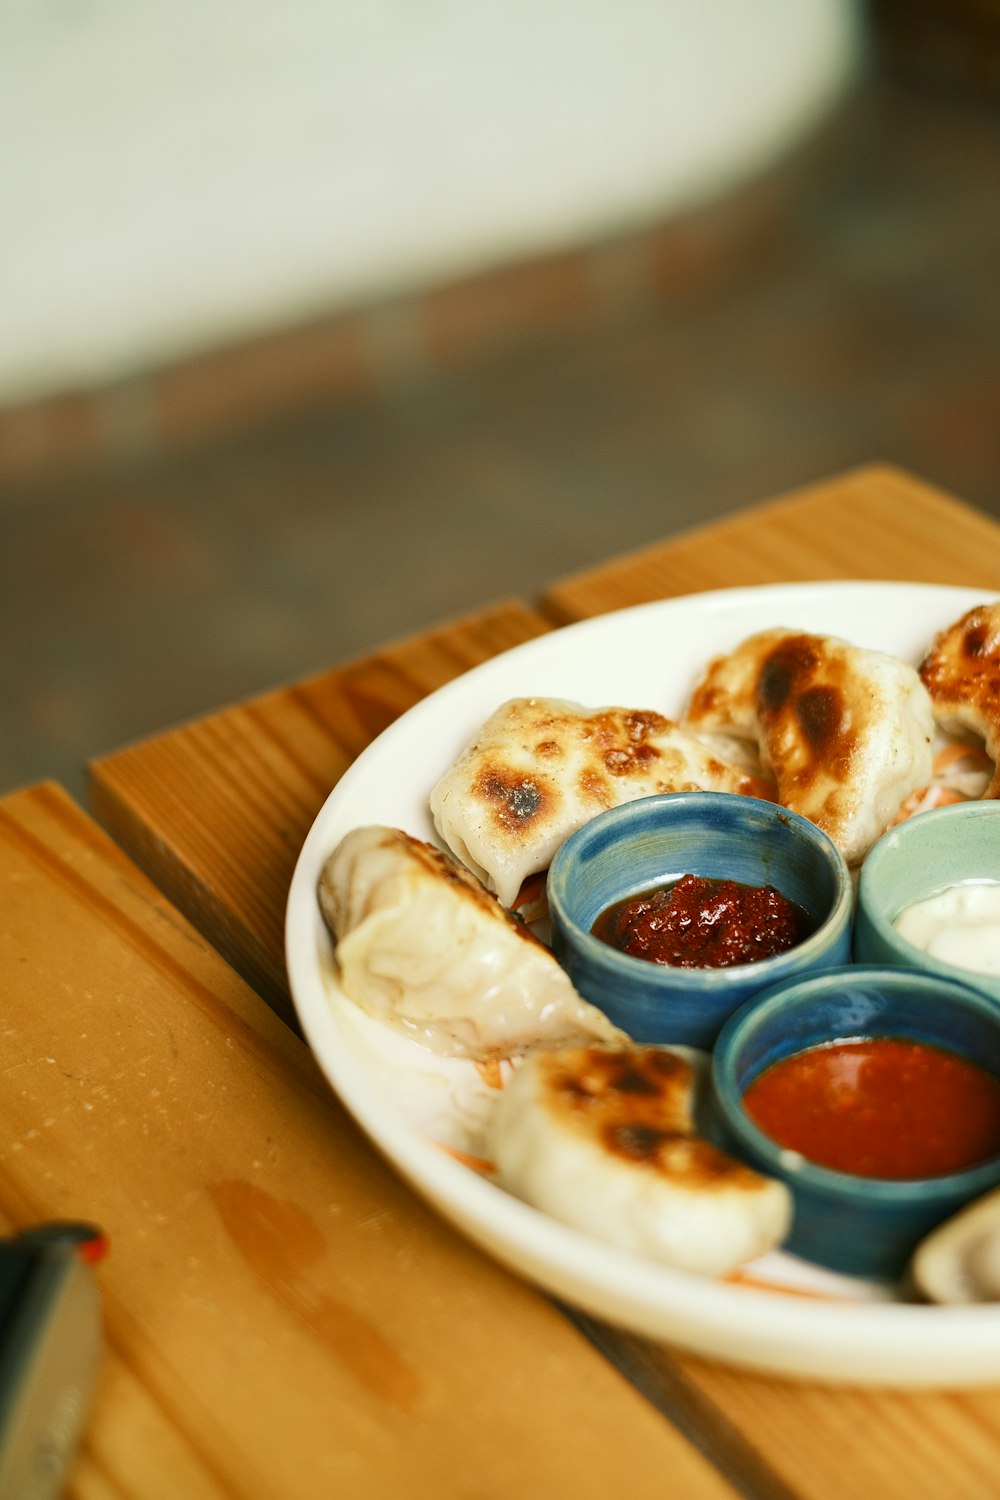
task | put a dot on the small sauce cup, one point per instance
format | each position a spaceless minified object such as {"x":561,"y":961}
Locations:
{"x":861,"y":1226}
{"x":926,"y":855}
{"x":654,"y":841}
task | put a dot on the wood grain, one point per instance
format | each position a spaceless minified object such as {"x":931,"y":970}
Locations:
{"x":772,"y":1436}
{"x":283,"y":1318}
{"x":216,"y":811}
{"x":818,"y":1441}
{"x":876,"y":523}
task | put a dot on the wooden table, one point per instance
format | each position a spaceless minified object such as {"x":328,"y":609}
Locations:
{"x":284,"y":1318}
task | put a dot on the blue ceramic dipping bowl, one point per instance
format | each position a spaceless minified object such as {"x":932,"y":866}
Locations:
{"x":657,"y":839}
{"x":859,"y":1225}
{"x":926,"y":854}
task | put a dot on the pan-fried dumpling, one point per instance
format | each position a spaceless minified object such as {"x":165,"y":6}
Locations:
{"x":961,"y":672}
{"x":422,"y":945}
{"x":603,"y":1139}
{"x":848,"y":732}
{"x":540,"y":768}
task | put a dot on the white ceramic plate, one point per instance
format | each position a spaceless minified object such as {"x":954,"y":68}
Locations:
{"x":423,"y":1111}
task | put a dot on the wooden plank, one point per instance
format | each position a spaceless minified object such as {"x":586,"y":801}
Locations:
{"x":824,"y":1441}
{"x":874,"y":523}
{"x":769,"y":1434}
{"x":216,"y":810}
{"x":877,"y":522}
{"x":283,"y":1317}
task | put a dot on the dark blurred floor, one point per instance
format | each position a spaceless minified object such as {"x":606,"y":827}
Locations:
{"x":134,"y":596}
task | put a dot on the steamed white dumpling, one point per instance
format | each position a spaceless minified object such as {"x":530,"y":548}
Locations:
{"x":422,"y":945}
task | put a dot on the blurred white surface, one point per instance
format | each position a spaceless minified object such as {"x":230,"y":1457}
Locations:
{"x":180,"y":175}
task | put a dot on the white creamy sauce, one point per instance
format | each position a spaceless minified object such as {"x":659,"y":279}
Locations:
{"x":960,"y":926}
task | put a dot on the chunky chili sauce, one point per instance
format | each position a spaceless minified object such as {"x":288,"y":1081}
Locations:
{"x":880,"y":1107}
{"x":700,"y":923}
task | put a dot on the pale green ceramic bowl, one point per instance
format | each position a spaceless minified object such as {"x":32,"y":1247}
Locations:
{"x":925,"y":855}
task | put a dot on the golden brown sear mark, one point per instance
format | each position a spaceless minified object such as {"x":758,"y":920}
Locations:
{"x":965,"y":660}
{"x":624,"y":740}
{"x":517,"y":801}
{"x":808,"y":693}
{"x":594,"y":787}
{"x":637,"y":1100}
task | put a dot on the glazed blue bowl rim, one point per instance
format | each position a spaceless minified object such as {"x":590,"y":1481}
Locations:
{"x":718,"y":979}
{"x":870,"y":893}
{"x":841,"y":1186}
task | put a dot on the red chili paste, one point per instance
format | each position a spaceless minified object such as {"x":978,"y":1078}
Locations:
{"x":698,"y":923}
{"x":880,"y":1107}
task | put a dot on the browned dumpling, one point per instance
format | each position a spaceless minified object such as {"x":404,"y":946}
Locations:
{"x":846,"y":731}
{"x":602,"y":1139}
{"x":962,"y":674}
{"x":540,"y":768}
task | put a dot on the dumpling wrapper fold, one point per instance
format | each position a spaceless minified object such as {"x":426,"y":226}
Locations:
{"x":424,"y":947}
{"x":540,"y":768}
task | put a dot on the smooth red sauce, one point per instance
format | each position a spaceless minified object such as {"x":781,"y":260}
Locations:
{"x":882,"y":1107}
{"x":699,"y":923}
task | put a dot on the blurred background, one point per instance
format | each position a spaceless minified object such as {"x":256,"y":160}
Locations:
{"x":321,"y":324}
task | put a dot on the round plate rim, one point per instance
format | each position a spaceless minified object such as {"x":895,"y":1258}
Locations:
{"x":866,"y":1343}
